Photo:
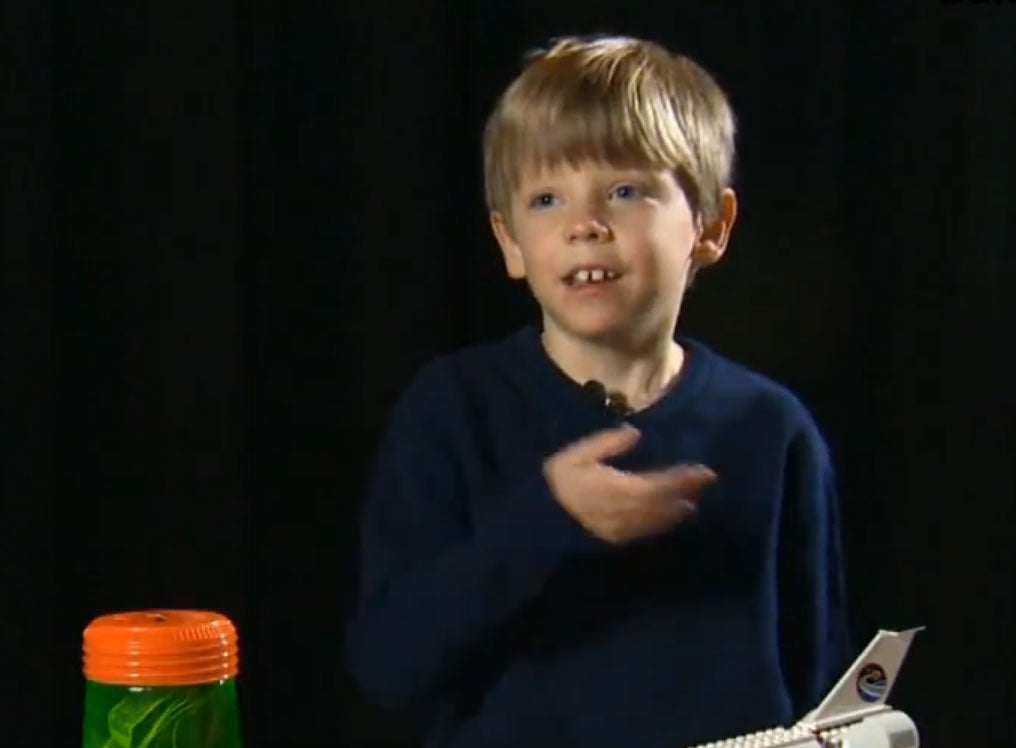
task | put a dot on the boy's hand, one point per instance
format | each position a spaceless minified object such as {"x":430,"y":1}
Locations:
{"x":618,"y":506}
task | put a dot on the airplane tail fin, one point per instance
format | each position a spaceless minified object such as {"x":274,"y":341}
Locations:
{"x":866,"y":685}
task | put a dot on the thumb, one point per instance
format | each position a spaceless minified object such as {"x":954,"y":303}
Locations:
{"x":604,"y":444}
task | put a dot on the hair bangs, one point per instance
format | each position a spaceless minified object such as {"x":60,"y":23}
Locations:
{"x":615,"y":101}
{"x":556,"y":125}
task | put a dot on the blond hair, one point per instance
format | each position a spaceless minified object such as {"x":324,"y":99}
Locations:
{"x":618,"y":100}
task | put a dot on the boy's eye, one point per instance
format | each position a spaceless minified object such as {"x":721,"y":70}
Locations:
{"x":626,"y":192}
{"x":543,"y":200}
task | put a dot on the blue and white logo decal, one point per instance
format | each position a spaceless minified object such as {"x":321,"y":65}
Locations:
{"x":871,"y":683}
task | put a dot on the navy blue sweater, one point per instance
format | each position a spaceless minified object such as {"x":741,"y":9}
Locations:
{"x":490,"y":613}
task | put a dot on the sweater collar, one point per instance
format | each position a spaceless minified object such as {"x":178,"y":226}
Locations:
{"x":558,"y":389}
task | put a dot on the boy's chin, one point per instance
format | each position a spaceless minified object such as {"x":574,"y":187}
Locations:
{"x":607,"y":332}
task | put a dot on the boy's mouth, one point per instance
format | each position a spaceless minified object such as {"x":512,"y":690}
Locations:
{"x":590,"y":276}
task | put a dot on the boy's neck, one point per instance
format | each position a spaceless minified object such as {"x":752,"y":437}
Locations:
{"x":640,"y":374}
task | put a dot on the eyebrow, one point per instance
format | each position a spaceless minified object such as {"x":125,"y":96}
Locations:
{"x":649,"y":179}
{"x":641,"y":175}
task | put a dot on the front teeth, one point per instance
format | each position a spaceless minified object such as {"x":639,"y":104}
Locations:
{"x":596,"y":275}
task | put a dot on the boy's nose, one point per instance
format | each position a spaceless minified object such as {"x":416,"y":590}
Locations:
{"x":588,"y":228}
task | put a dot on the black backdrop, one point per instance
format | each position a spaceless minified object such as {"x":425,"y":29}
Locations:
{"x":231,"y":231}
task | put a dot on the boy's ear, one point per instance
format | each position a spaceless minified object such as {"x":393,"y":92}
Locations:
{"x":714,"y":236}
{"x":510,"y":250}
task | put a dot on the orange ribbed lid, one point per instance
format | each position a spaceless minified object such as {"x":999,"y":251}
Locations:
{"x":160,"y":648}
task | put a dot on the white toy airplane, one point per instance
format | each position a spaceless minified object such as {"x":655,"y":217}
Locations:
{"x":854,"y":714}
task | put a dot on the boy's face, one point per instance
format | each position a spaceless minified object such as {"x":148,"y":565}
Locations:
{"x":607,"y":251}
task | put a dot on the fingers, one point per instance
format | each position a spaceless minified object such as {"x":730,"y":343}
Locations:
{"x":661,"y":516}
{"x":684,"y":481}
{"x":684,"y":477}
{"x":604,"y":444}
{"x":675,"y":511}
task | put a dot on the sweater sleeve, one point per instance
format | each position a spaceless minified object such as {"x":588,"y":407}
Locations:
{"x":814,"y":635}
{"x":433,"y":587}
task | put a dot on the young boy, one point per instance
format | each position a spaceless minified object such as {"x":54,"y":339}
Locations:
{"x":597,"y":532}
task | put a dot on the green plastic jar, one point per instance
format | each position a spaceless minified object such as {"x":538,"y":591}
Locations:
{"x":161,"y":679}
